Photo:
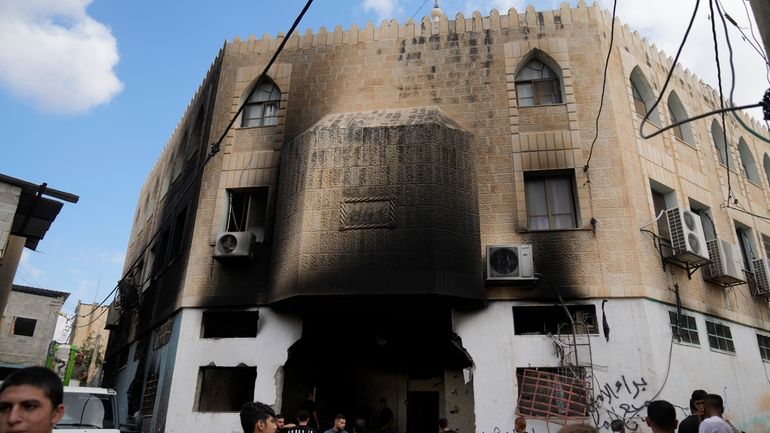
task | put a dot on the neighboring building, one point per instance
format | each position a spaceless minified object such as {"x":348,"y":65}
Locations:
{"x":359,"y":234}
{"x":89,"y":333}
{"x":25,"y":217}
{"x":28,"y":325}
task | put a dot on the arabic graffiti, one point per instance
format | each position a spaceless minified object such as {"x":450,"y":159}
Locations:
{"x":623,"y":400}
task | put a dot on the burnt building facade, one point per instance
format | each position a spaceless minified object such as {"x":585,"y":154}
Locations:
{"x":420,"y":212}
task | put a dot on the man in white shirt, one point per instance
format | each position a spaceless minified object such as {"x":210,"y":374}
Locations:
{"x":713,"y":422}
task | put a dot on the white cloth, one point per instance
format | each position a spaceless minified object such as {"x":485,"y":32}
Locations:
{"x":715,"y":424}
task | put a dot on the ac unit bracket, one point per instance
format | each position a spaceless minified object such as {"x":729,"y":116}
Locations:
{"x":660,"y":243}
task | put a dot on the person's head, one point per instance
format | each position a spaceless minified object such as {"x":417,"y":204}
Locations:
{"x":339,"y":422}
{"x":443,"y":424}
{"x":280,"y":420}
{"x":303,"y":417}
{"x":661,"y":416}
{"x":359,"y":425}
{"x":617,"y":425}
{"x":520,"y":424}
{"x":257,"y":417}
{"x":31,"y":401}
{"x":713,"y":405}
{"x":696,"y":401}
{"x":578,"y":428}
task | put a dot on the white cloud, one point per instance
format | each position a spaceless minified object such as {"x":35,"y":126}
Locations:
{"x":56,"y":56}
{"x":384,"y":9}
{"x":27,"y":268}
{"x":666,"y":30}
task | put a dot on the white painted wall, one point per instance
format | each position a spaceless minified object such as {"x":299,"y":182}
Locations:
{"x":268,"y":352}
{"x":630,"y":369}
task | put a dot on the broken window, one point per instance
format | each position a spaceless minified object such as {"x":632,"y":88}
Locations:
{"x":553,"y":393}
{"x":537,"y":84}
{"x":163,"y":334}
{"x":150,"y":392}
{"x":246,"y":211}
{"x":262,"y":107}
{"x":229,"y":324}
{"x":552,"y":319}
{"x":225,"y":389}
{"x":24,"y":327}
{"x":686,"y":330}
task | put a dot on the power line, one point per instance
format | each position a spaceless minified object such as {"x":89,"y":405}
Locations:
{"x":668,"y":77}
{"x":418,"y":9}
{"x":721,"y":96}
{"x":604,"y":86}
{"x":212,"y":152}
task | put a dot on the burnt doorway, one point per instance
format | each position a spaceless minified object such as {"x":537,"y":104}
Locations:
{"x":355,"y":351}
{"x":422,"y":411}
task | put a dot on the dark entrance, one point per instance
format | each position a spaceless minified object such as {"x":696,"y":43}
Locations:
{"x":422,"y":411}
{"x":353,"y":353}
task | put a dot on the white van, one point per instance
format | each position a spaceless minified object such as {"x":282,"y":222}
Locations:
{"x":89,"y":410}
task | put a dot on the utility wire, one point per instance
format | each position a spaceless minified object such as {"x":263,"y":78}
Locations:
{"x":668,"y":77}
{"x":604,"y":86}
{"x":418,"y":9}
{"x":212,"y":152}
{"x":721,"y":97}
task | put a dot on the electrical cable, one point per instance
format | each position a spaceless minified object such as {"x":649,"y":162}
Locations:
{"x":670,"y":74}
{"x":604,"y":86}
{"x":93,"y":320}
{"x":212,"y":152}
{"x":721,"y":98}
{"x":418,"y":10}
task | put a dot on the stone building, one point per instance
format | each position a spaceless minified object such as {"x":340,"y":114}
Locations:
{"x":425,"y":212}
{"x":27,"y":326}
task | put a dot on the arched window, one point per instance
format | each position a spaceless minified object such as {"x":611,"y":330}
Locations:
{"x":766,"y":166}
{"x":537,"y":84}
{"x":678,"y":113}
{"x":748,"y":164}
{"x":262,"y":108}
{"x":643,"y":96}
{"x":717,"y":134}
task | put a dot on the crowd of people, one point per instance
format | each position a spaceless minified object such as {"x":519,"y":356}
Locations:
{"x":31,"y":401}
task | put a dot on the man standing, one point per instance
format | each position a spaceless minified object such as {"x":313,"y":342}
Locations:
{"x":31,"y":401}
{"x":661,"y":417}
{"x":691,"y":423}
{"x":339,"y":424}
{"x":385,"y":417}
{"x":257,"y":417}
{"x":303,"y":417}
{"x":713,"y":422}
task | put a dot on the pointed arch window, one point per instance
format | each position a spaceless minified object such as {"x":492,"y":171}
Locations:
{"x":262,"y":108}
{"x":643,"y":96}
{"x":717,"y":134}
{"x":678,"y":114}
{"x":766,"y":166}
{"x":537,"y":84}
{"x":748,"y":164}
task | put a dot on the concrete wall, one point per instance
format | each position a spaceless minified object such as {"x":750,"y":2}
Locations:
{"x":9,"y":200}
{"x":28,"y":350}
{"x":268,"y":351}
{"x":629,"y":369}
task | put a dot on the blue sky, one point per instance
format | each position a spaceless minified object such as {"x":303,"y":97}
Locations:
{"x":91,"y":90}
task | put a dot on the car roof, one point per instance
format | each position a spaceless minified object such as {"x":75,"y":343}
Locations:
{"x":88,"y":390}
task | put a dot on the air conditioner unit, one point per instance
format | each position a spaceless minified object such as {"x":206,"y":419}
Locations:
{"x":687,"y":239}
{"x":510,"y":262}
{"x":726,"y":266}
{"x":113,"y":317}
{"x":234,"y":245}
{"x":761,"y":283}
